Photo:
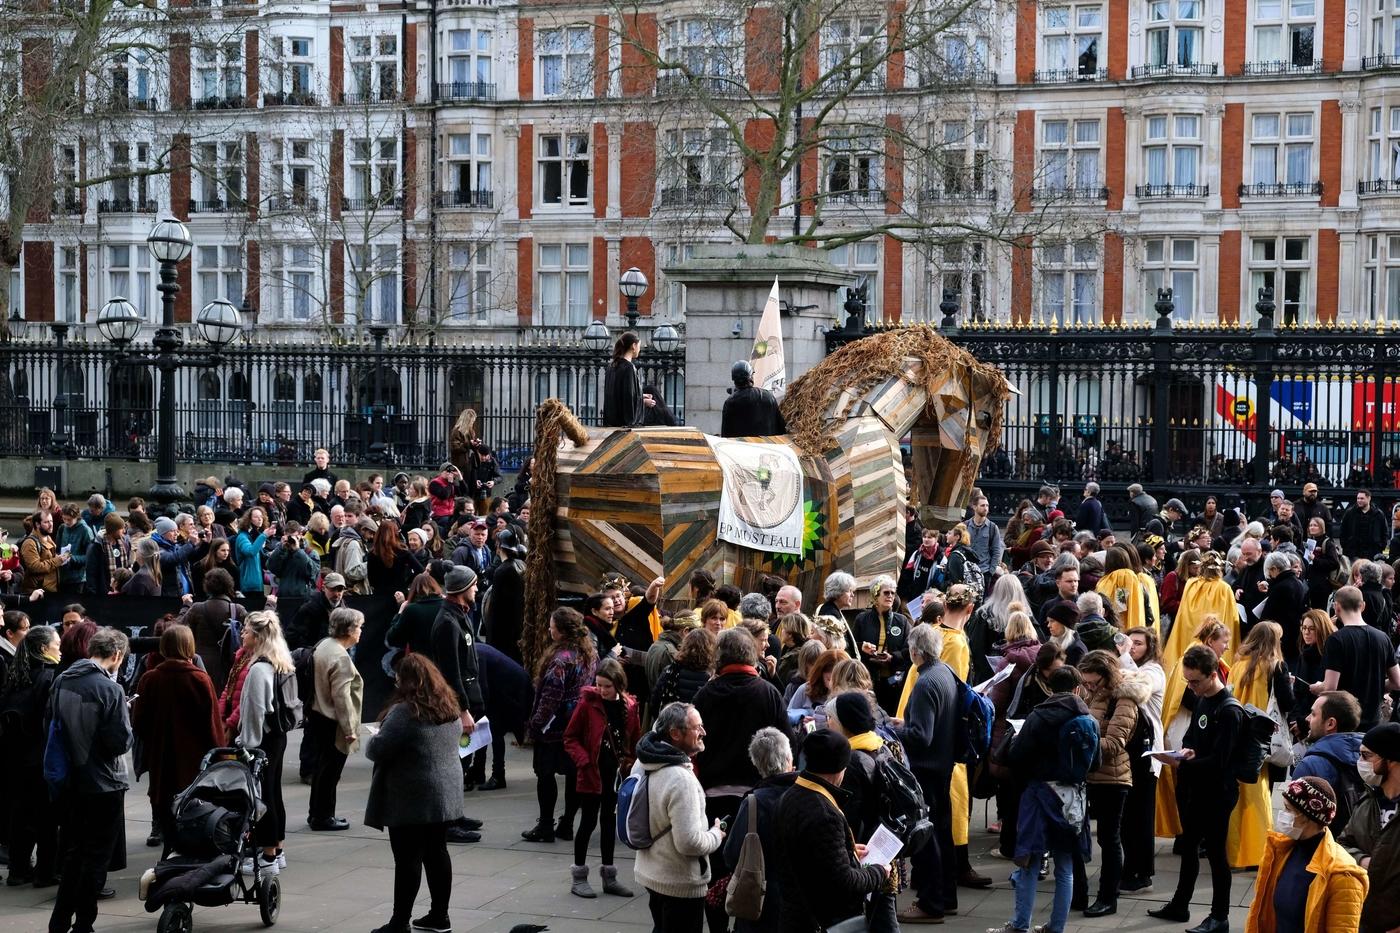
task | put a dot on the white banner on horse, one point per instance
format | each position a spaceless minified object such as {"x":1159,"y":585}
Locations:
{"x":760,"y":503}
{"x":769,"y":363}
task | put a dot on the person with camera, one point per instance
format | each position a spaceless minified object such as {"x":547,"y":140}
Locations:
{"x":294,"y":564}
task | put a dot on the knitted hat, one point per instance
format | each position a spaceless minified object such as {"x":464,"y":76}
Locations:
{"x":827,"y":752}
{"x":1384,"y":740}
{"x":1064,"y":613}
{"x":853,"y":712}
{"x":459,"y":579}
{"x":164,"y":526}
{"x":1313,"y":797}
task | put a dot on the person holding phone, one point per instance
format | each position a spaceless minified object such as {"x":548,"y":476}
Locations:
{"x":254,"y":532}
{"x":74,"y":538}
{"x":39,"y":555}
{"x":881,"y":633}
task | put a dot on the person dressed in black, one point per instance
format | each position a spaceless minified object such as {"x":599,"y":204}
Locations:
{"x":1206,"y":789}
{"x":622,"y":386}
{"x":750,"y":411}
{"x":453,"y":649}
{"x":503,"y":616}
{"x":656,"y":413}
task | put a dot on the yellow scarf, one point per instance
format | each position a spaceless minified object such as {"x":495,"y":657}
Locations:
{"x":1122,"y":589}
{"x":814,"y":786}
{"x":867,"y":742}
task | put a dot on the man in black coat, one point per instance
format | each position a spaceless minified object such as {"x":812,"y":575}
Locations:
{"x":1363,"y":528}
{"x":313,"y":620}
{"x":1378,"y":612}
{"x":503,"y":617}
{"x":453,"y":641}
{"x":750,"y":411}
{"x":1286,"y":601}
{"x":823,"y":882}
{"x":622,"y":386}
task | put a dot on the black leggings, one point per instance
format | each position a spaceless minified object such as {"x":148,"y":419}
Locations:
{"x":269,"y":831}
{"x":1139,"y":823}
{"x":418,"y":850}
{"x":1205,"y":820}
{"x":1106,"y":807}
{"x":549,"y":760}
{"x":591,"y":805}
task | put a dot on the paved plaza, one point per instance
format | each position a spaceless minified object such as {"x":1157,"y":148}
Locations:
{"x":343,"y":881}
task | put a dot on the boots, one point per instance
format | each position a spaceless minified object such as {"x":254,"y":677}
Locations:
{"x":581,"y":887}
{"x":542,"y":831}
{"x":497,"y":781}
{"x":565,"y":829}
{"x":610,"y":883}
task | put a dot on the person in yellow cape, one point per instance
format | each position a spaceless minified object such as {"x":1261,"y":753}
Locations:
{"x":1122,"y":590}
{"x":1260,"y":674}
{"x":957,"y":609}
{"x":1205,"y":595}
{"x":1215,"y":635}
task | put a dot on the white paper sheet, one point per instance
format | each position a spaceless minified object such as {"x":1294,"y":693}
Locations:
{"x":479,"y":739}
{"x":882,"y":848}
{"x":992,"y":681}
{"x":1164,"y":755}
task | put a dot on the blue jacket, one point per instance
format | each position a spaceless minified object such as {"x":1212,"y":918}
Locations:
{"x":80,"y":538}
{"x":96,"y":728}
{"x":1090,"y":516}
{"x":1321,"y":761}
{"x":247,"y":551}
{"x":174,"y":567}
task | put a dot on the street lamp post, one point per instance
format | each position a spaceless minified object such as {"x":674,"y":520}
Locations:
{"x":633,"y":285}
{"x":218,"y":324}
{"x":378,"y":412}
{"x":61,"y":443}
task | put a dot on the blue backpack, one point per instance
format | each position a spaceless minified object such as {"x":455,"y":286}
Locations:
{"x":56,"y":763}
{"x":634,"y":811}
{"x":1079,"y":749}
{"x":973,"y":741}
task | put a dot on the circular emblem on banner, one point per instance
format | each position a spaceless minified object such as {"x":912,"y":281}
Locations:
{"x":1202,"y":722}
{"x":764,"y":490}
{"x":1243,"y":409}
{"x":895,"y":630}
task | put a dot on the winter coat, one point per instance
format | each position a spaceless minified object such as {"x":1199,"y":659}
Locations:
{"x":339,"y":692}
{"x":586,"y":733}
{"x":930,"y":721}
{"x":22,"y":713}
{"x":662,"y":652}
{"x":1090,"y":516}
{"x":176,"y":717}
{"x":142,"y":583}
{"x":453,"y":640}
{"x":503,"y":617}
{"x":1363,"y":534}
{"x":412,"y":628}
{"x":751,"y":412}
{"x":248,"y":553}
{"x":1335,"y":896}
{"x":98,"y":575}
{"x":1364,"y":838}
{"x":97,"y":732}
{"x":417,"y":777}
{"x":678,"y":683}
{"x":1117,"y":716}
{"x":675,"y":864}
{"x":1035,"y":753}
{"x":389,"y":579}
{"x":1020,"y":656}
{"x":1324,"y":758}
{"x":822,"y":881}
{"x":296,"y":570}
{"x":766,"y":796}
{"x":79,"y":539}
{"x":209,"y":621}
{"x":348,"y":560}
{"x":738,"y":703}
{"x":509,"y":694}
{"x":557,"y":695}
{"x":175,"y":567}
{"x":622,"y":395}
{"x":311,"y":622}
{"x":39,"y":557}
{"x":896,"y":632}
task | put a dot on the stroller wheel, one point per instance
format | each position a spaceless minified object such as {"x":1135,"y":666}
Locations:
{"x":269,"y":899}
{"x":176,"y":918}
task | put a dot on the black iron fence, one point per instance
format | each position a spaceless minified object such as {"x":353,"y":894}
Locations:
{"x":1189,"y":408}
{"x":278,"y":402}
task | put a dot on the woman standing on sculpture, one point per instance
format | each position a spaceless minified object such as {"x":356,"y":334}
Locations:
{"x":622,"y":386}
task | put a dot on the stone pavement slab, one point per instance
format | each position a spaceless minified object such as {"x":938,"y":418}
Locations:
{"x":343,"y":882}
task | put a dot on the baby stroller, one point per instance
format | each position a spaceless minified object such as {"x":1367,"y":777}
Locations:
{"x":214,"y":820}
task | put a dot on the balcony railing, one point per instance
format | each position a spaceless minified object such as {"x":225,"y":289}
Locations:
{"x":479,"y":200}
{"x":68,"y":206}
{"x":218,"y":102}
{"x":371,"y":204}
{"x":466,"y":90}
{"x":123,"y":103}
{"x":936,"y":75}
{"x":281,"y":203}
{"x":677,"y":85}
{"x":1175,"y":70}
{"x":1379,"y":186}
{"x":856,"y":196}
{"x":289,"y":99}
{"x":125,"y":206}
{"x":698,"y":196}
{"x":1069,"y":75}
{"x":218,"y":206}
{"x":364,"y":98}
{"x":1173,"y":191}
{"x":1373,"y":62}
{"x":1283,"y":68}
{"x":956,"y":195}
{"x":1064,"y":193}
{"x":1297,"y":189}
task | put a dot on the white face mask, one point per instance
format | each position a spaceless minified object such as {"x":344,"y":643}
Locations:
{"x":1288,"y":824}
{"x":1368,"y":774}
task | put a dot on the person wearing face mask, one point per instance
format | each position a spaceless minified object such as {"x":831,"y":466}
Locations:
{"x":1373,"y":832}
{"x":1306,"y":880}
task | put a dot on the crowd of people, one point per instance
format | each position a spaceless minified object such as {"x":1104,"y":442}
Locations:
{"x":1106,"y":687}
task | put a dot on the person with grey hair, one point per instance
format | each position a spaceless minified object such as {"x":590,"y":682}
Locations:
{"x":928,"y":732}
{"x":881,"y":634}
{"x":1366,"y":576}
{"x":771,"y":753}
{"x":1286,"y":599}
{"x":755,"y":606}
{"x":91,"y":717}
{"x":1141,"y":508}
{"x":97,"y":511}
{"x":839,"y":595}
{"x":333,"y":721}
{"x":1090,"y":515}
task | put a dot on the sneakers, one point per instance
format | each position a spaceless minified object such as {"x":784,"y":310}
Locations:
{"x":433,"y":923}
{"x":1006,"y":928}
{"x":266,"y":866}
{"x":281,"y":860}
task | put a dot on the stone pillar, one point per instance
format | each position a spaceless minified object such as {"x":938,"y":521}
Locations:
{"x":726,"y":289}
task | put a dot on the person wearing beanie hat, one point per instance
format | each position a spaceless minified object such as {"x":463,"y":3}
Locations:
{"x":1379,"y":769}
{"x":818,"y":857}
{"x":852,"y":714}
{"x":453,"y":649}
{"x":174,"y":559}
{"x":1306,"y":880}
{"x":1061,"y":622}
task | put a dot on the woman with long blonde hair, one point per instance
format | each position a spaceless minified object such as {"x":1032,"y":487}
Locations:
{"x":1259,"y":679}
{"x":269,"y":666}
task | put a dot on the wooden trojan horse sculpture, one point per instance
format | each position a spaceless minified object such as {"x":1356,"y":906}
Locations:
{"x":646,"y":502}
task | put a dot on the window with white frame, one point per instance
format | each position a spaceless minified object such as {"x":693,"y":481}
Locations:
{"x":704,"y":50}
{"x":862,"y":259}
{"x":1069,"y":282}
{"x":852,"y":51}
{"x":133,"y":86}
{"x":129,"y":276}
{"x":1070,"y":156}
{"x":1383,"y":276}
{"x":374,"y":172}
{"x":219,"y":270}
{"x":69,"y":196}
{"x":1384,"y":31}
{"x":1284,"y":33}
{"x":564,"y":169}
{"x":291,"y":282}
{"x":218,"y":175}
{"x":294,"y":73}
{"x":966,"y":56}
{"x":698,"y":166}
{"x":1175,"y":32}
{"x":469,"y":169}
{"x":1172,"y":152}
{"x":852,"y":171}
{"x":70,"y":295}
{"x":961,"y":275}
{"x":1172,"y":262}
{"x":130,"y":188}
{"x":1383,"y":147}
{"x":563,"y":284}
{"x":961,"y":158}
{"x":469,"y":61}
{"x":565,"y":59}
{"x":374,"y":69}
{"x":1281,"y":151}
{"x":1072,"y":39}
{"x":218,"y":75}
{"x":290,"y":173}
{"x":469,"y":281}
{"x":1285,"y":265}
{"x":374,"y":283}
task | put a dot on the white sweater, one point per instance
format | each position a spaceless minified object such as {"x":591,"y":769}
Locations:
{"x":256,"y":704}
{"x":673,"y":864}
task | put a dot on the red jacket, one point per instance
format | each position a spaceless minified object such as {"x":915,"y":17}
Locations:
{"x":584,"y":738}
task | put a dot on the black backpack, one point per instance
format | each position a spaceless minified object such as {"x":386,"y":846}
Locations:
{"x":1253,"y":746}
{"x":904,"y":812}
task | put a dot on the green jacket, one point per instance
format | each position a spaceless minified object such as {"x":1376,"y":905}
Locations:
{"x":1364,"y":838}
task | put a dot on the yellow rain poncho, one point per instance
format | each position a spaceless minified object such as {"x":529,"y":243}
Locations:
{"x":1203,"y":596}
{"x":1253,"y":818}
{"x":1122,"y":590}
{"x":957,"y":655}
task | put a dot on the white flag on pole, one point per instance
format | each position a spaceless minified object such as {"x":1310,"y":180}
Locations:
{"x":769,"y":364}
